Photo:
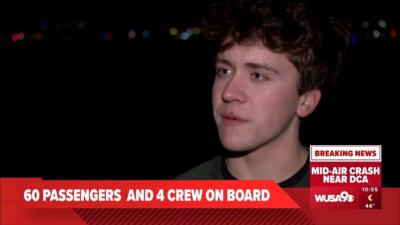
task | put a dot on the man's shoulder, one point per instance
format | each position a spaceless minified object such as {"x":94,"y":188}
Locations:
{"x":209,"y":170}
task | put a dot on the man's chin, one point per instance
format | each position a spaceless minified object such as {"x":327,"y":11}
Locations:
{"x":234,"y":147}
{"x":233,"y":154}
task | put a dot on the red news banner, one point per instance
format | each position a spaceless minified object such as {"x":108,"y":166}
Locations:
{"x":345,"y":176}
{"x":36,"y":193}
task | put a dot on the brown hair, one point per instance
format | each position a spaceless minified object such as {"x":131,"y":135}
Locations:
{"x":315,"y":44}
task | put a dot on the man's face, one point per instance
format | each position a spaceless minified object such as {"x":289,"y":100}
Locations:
{"x":255,"y":96}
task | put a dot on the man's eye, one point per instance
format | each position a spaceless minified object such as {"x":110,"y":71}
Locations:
{"x":258,"y":76}
{"x":223,"y":71}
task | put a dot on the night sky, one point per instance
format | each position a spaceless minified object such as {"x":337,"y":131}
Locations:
{"x":20,"y":13}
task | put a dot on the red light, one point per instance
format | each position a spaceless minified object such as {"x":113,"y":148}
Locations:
{"x":17,"y":36}
{"x":393,"y":33}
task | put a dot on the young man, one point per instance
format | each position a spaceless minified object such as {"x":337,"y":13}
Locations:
{"x":273,"y":58}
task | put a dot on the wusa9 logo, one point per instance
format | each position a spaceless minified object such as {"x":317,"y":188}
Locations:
{"x":344,"y":196}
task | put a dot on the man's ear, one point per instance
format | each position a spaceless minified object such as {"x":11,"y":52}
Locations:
{"x":308,"y":102}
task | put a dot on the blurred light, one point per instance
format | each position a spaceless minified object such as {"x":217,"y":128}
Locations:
{"x":37,"y":36}
{"x":91,"y":24}
{"x":131,"y":34}
{"x":68,"y":24}
{"x":349,"y":24}
{"x":59,"y":26}
{"x":365,"y":24}
{"x":189,"y":32}
{"x":81,"y":24}
{"x":107,"y":35}
{"x":44,"y":24}
{"x":185,"y":36}
{"x":382,"y":24}
{"x":173,"y":31}
{"x":196,"y":31}
{"x":354,"y":40}
{"x":393,"y":33}
{"x":17,"y":36}
{"x":66,"y":37}
{"x":21,"y":35}
{"x":376,"y":34}
{"x":146,"y":34}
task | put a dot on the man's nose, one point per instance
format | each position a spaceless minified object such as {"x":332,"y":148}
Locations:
{"x":234,"y":90}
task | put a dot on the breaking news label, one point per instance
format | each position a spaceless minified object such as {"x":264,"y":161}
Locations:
{"x":345,"y":176}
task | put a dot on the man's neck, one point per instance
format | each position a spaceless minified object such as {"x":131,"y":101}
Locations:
{"x":277,"y":160}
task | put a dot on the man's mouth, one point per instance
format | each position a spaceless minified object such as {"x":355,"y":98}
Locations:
{"x":232,"y":119}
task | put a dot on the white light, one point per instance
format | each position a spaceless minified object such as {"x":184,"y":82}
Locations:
{"x":131,"y":34}
{"x":185,"y":36}
{"x":376,"y":34}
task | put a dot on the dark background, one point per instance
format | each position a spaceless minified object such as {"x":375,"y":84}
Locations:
{"x":76,"y":105}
